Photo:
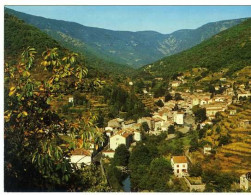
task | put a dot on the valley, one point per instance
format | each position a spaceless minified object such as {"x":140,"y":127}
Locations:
{"x":114,"y":111}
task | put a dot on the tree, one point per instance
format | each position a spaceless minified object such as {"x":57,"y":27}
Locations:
{"x":171,"y":129}
{"x":158,"y":175}
{"x":100,"y":120}
{"x":139,"y":161}
{"x":145,"y":127}
{"x":194,"y":144}
{"x":200,"y":113}
{"x":35,"y":160}
{"x":195,"y":170}
{"x":177,"y":96}
{"x":121,"y":156}
{"x":168,"y":97}
{"x":159,"y":103}
{"x":224,"y":140}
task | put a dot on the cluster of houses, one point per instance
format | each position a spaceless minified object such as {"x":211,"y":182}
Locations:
{"x":174,"y":112}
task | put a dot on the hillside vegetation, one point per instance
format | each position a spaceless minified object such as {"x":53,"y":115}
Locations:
{"x":124,"y":47}
{"x":19,"y":35}
{"x":228,"y":49}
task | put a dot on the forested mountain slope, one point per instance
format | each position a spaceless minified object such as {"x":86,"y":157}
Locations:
{"x":125,"y":47}
{"x":19,"y":35}
{"x":229,"y":49}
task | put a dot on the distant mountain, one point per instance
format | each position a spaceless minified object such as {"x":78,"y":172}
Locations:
{"x":228,"y":49}
{"x":131,"y":48}
{"x":18,"y":36}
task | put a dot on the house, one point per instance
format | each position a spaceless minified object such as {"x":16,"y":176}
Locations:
{"x":207,"y":149}
{"x":158,"y":123}
{"x":144,"y":91}
{"x":175,"y":84}
{"x":109,"y":153}
{"x":115,"y":123}
{"x":128,"y":123}
{"x":203,"y":124}
{"x":212,"y":109}
{"x":148,"y":120}
{"x":232,"y":112}
{"x":137,"y":136}
{"x":81,"y":157}
{"x":179,"y":165}
{"x":71,"y":100}
{"x":109,"y":133}
{"x":158,"y":78}
{"x":178,"y":118}
{"x":245,"y":183}
{"x":195,"y":101}
{"x":122,"y":137}
{"x":243,"y":94}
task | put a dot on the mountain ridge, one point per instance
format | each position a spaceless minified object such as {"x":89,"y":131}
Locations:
{"x":227,"y":49}
{"x":126,"y":47}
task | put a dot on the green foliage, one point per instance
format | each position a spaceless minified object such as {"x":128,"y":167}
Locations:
{"x":200,"y":113}
{"x":168,"y":97}
{"x":228,"y":49}
{"x":194,"y":144}
{"x":34,"y":160}
{"x":171,"y":129}
{"x":217,"y":181}
{"x":115,"y":178}
{"x":121,"y":156}
{"x":177,"y":96}
{"x":145,"y":127}
{"x":195,"y":170}
{"x":224,"y":140}
{"x":159,"y":174}
{"x":174,"y":147}
{"x":159,"y":103}
{"x":120,"y":100}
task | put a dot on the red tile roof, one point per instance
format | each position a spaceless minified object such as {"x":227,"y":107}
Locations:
{"x":81,"y":151}
{"x":179,"y":159}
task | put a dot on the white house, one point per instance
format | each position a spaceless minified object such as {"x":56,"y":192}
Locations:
{"x":176,"y":83}
{"x":207,"y":122}
{"x":158,"y":123}
{"x":137,"y":136}
{"x":178,"y":118}
{"x":115,"y":123}
{"x":148,"y":120}
{"x":207,"y":149}
{"x":109,"y":153}
{"x":109,"y":133}
{"x":232,"y":112}
{"x":80,"y":157}
{"x":120,"y":138}
{"x":128,"y":123}
{"x":245,"y":184}
{"x":179,"y":165}
{"x":243,"y":93}
{"x":70,"y":100}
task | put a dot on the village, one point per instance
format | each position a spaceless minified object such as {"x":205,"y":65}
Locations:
{"x":176,"y":113}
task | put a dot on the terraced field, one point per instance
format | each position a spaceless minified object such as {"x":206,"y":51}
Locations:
{"x":235,"y":156}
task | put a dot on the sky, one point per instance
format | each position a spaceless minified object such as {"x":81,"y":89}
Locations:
{"x":163,"y":19}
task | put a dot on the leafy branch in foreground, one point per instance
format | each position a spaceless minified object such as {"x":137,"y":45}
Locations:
{"x":36,"y":159}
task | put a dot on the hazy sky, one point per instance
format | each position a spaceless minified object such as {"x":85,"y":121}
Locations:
{"x":164,"y":19}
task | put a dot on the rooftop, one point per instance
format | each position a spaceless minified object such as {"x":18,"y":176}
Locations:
{"x":179,"y":159}
{"x":81,"y":151}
